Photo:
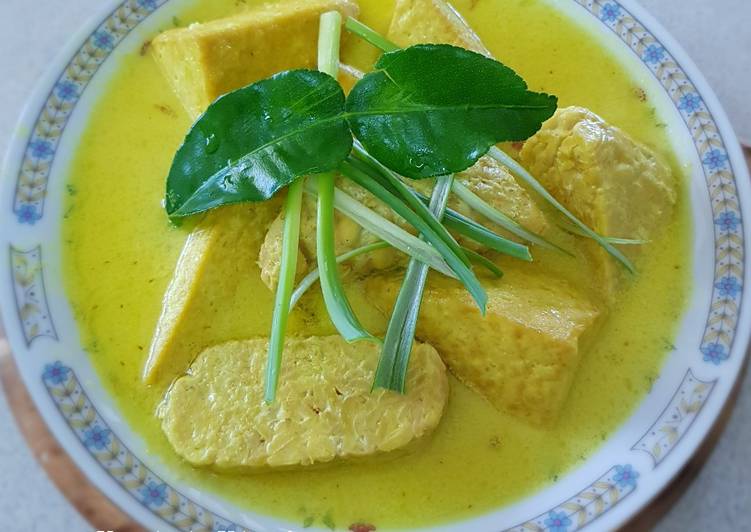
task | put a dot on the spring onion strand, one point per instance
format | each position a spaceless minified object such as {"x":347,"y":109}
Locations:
{"x":485,"y":262}
{"x":370,"y":35}
{"x":386,"y":230}
{"x":462,"y":271}
{"x":337,"y":305}
{"x":397,"y":186}
{"x":520,"y":172}
{"x":502,"y":220}
{"x":309,"y":280}
{"x":611,"y":239}
{"x":290,"y":240}
{"x":482,"y":235}
{"x":400,"y":334}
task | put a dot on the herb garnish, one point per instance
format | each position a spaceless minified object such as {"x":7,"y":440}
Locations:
{"x":254,"y":141}
{"x":426,"y":111}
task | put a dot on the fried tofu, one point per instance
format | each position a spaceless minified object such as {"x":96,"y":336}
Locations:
{"x":324,"y":411}
{"x":523,"y":355}
{"x":434,"y":22}
{"x":204,"y":61}
{"x":616,"y":185}
{"x":214,"y":272}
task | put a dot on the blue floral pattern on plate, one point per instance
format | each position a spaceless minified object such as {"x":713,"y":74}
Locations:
{"x":31,"y":186}
{"x":120,"y":463}
{"x":722,"y":322}
{"x":586,"y":506}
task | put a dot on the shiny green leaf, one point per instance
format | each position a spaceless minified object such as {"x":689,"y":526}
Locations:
{"x":254,"y":141}
{"x":435,"y":109}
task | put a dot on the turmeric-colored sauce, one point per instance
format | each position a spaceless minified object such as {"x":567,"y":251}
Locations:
{"x":120,"y":252}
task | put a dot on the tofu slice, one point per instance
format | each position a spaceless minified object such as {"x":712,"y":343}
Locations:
{"x":523,"y":355}
{"x":217,"y":266}
{"x":216,"y":270}
{"x":432,"y":21}
{"x":613,"y":183}
{"x":487,"y":178}
{"x":325,"y":411}
{"x":616,"y":185}
{"x":204,"y":61}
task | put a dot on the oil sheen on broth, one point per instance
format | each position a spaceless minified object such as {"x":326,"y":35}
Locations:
{"x":119,"y":253}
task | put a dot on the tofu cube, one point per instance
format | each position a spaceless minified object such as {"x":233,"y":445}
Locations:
{"x":434,"y":22}
{"x":204,"y":61}
{"x":614,"y":184}
{"x":523,"y":355}
{"x":215,"y":271}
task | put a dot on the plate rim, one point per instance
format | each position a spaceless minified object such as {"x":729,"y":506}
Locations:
{"x":48,"y":81}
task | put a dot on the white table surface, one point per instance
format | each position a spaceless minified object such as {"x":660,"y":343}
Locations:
{"x":716,"y":33}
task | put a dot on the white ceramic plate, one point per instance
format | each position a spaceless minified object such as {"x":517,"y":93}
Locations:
{"x":613,"y":485}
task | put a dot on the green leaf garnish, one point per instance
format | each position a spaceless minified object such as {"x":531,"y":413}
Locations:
{"x":435,"y":109}
{"x":252,"y":142}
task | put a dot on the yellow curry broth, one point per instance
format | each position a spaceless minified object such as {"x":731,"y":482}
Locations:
{"x":120,"y":252}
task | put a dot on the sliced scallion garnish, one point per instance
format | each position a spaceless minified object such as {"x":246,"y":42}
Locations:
{"x":386,"y":230}
{"x":497,"y":217}
{"x":574,"y":230}
{"x":483,"y":261}
{"x":482,"y":235}
{"x":369,"y":35}
{"x":521,"y":172}
{"x":395,"y":184}
{"x":400,"y":335}
{"x":457,"y":265}
{"x":290,"y":242}
{"x":310,"y":279}
{"x":337,"y":305}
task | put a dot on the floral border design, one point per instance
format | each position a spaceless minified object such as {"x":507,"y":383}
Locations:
{"x":722,"y":322}
{"x":676,"y":419}
{"x":588,"y":505}
{"x":30,"y":295}
{"x":120,"y":463}
{"x":31,"y":186}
